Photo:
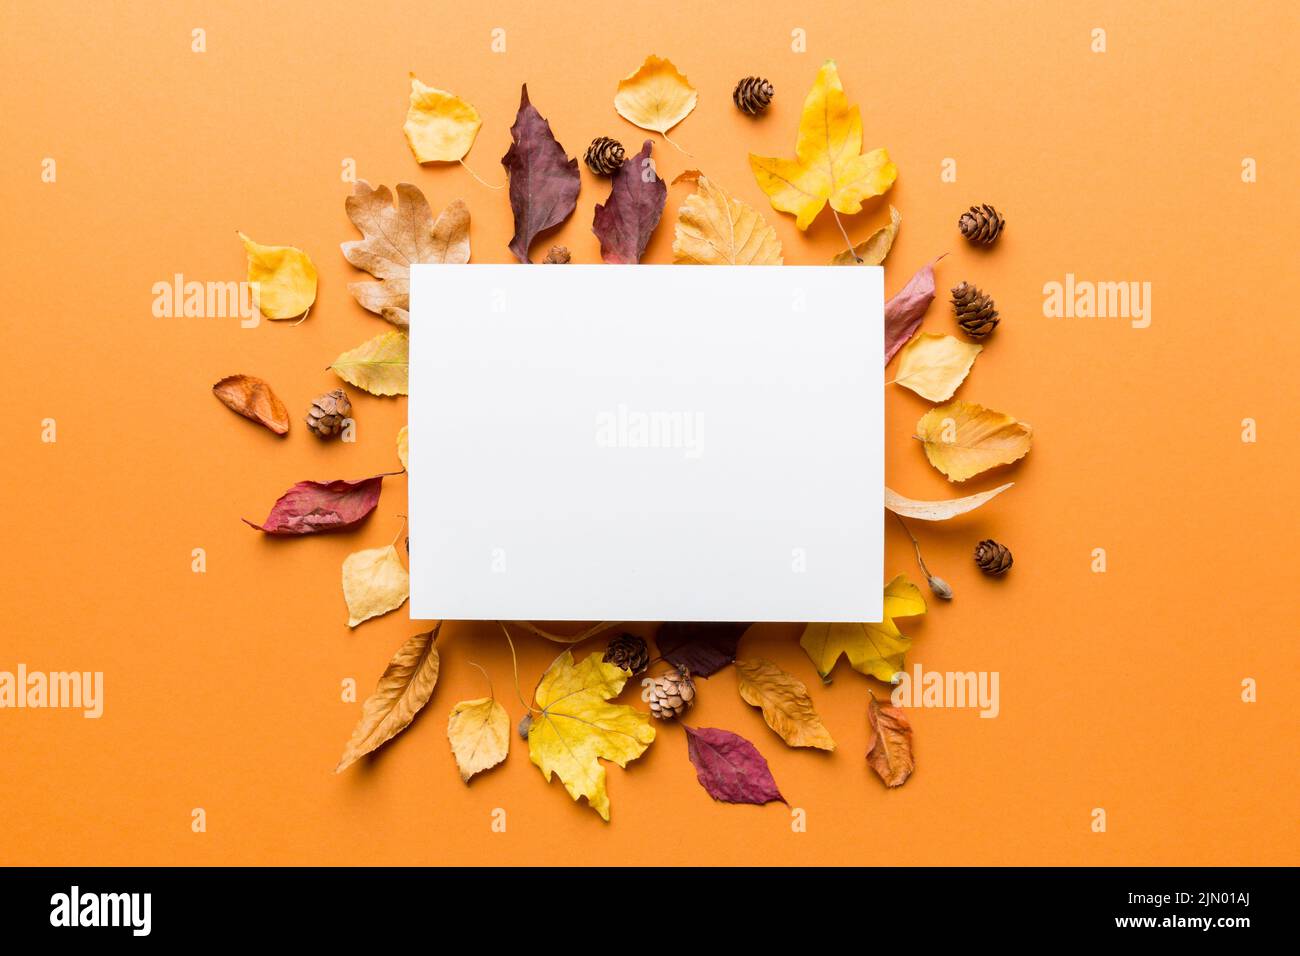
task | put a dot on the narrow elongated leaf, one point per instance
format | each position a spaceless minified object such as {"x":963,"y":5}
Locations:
{"x":729,"y":767}
{"x":312,"y":507}
{"x":636,"y":201}
{"x":544,"y":183}
{"x":889,"y":749}
{"x":939,"y":510}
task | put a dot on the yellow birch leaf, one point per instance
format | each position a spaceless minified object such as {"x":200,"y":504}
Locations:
{"x":405,"y":687}
{"x":785,"y":703}
{"x":577,"y":726}
{"x":479,"y":731}
{"x":440,"y":127}
{"x":963,"y":439}
{"x":829,"y":165}
{"x":402,"y":447}
{"x":938,"y":510}
{"x":378,"y":366}
{"x":374,"y":583}
{"x":655,"y":96}
{"x":876,"y":648}
{"x":933,"y":365}
{"x":872,"y":250}
{"x":283,"y":279}
{"x":713,"y":229}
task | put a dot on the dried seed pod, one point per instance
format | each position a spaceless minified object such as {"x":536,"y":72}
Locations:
{"x":604,"y":156}
{"x":981,"y":225}
{"x":992,"y":558}
{"x":525,"y":725}
{"x":753,"y":95}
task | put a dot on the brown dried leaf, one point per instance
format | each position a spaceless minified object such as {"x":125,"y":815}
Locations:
{"x":889,"y":751}
{"x":251,"y":397}
{"x":785,"y":703}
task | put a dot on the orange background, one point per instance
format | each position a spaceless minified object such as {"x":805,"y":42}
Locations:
{"x":1119,"y":690}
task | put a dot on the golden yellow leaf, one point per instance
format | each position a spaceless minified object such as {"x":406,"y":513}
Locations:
{"x":963,"y":439}
{"x":872,"y":250}
{"x":933,"y":365}
{"x":577,"y":726}
{"x":829,"y":165}
{"x":785,"y":703}
{"x":655,"y":96}
{"x":938,"y":510}
{"x":406,"y":686}
{"x":876,"y":648}
{"x":479,"y":731}
{"x":374,"y":583}
{"x":378,"y":366}
{"x":440,"y":127}
{"x":714,"y":229}
{"x":283,"y":279}
{"x":402,"y":447}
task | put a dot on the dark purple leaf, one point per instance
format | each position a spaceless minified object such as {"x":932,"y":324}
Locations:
{"x":543,"y":182}
{"x":702,"y":647}
{"x":903,"y":313}
{"x":729,"y":767}
{"x":636,"y":201}
{"x":310,"y":507}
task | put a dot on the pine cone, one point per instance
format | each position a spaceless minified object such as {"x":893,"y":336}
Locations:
{"x":604,"y":156}
{"x":976,"y":313}
{"x":982,"y":225}
{"x":992,"y":558}
{"x":558,"y":255}
{"x":753,"y":95}
{"x":672,"y":694}
{"x":328,"y":412}
{"x":629,"y":652}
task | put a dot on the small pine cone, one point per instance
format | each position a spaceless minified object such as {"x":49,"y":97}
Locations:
{"x":976,"y":313}
{"x":672,"y":694}
{"x":629,"y":652}
{"x":753,"y":95}
{"x":982,"y":225}
{"x":992,"y":558}
{"x":604,"y":156}
{"x":558,"y":255}
{"x":328,"y":413}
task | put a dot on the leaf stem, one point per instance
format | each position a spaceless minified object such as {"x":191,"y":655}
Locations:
{"x":488,"y":677}
{"x":481,"y":180}
{"x":515,"y":662}
{"x":848,"y":243}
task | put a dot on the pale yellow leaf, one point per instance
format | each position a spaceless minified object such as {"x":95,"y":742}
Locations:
{"x":402,"y":450}
{"x":374,"y":582}
{"x":876,"y":648}
{"x":283,"y":279}
{"x":933,"y":365}
{"x":440,"y":126}
{"x":872,"y":250}
{"x":716,"y":229}
{"x":938,"y":510}
{"x":655,"y":96}
{"x":785,"y":703}
{"x":963,"y":439}
{"x":378,"y":366}
{"x":479,"y":731}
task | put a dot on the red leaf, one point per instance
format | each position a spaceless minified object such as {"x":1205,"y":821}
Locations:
{"x":311,"y":507}
{"x":704,"y":648}
{"x":729,"y":767}
{"x":629,"y":216}
{"x":889,"y":751}
{"x":903,"y":313}
{"x":543,"y":183}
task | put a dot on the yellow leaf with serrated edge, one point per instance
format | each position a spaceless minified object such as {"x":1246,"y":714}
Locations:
{"x":933,"y":364}
{"x":440,"y":127}
{"x":963,"y":439}
{"x":479,"y":731}
{"x":374,"y":583}
{"x":378,"y":366}
{"x":876,"y":648}
{"x":872,"y":250}
{"x":405,"y":687}
{"x":714,"y":229}
{"x":655,"y":96}
{"x":829,"y":165}
{"x":785,"y":703}
{"x":577,"y":727}
{"x":283,"y":279}
{"x":402,"y":449}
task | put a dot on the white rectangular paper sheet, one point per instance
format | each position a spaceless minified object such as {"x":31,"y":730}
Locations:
{"x":646,"y":443}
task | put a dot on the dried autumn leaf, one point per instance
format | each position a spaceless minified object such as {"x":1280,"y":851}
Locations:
{"x":655,"y":96}
{"x":933,"y":364}
{"x":599,"y":628}
{"x":479,"y":731}
{"x":378,"y":366}
{"x":636,"y":201}
{"x":374,"y":582}
{"x":729,"y":767}
{"x":396,"y":238}
{"x":889,"y":750}
{"x":872,"y":250}
{"x":405,"y":687}
{"x":903,"y":312}
{"x":577,"y":727}
{"x":785,"y":703}
{"x":713,"y":229}
{"x":251,"y":397}
{"x":876,"y":649}
{"x":939,"y":510}
{"x":963,"y":439}
{"x":402,"y":450}
{"x":311,"y":507}
{"x":829,"y":165}
{"x":440,"y":126}
{"x":544,"y":183}
{"x":283,"y":279}
{"x":703,"y":647}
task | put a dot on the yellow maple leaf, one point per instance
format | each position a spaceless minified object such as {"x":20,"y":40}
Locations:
{"x":380,"y":366}
{"x":875,"y":648}
{"x":829,"y":165}
{"x":440,"y":127}
{"x":715,"y":229}
{"x":933,"y":364}
{"x":963,"y":439}
{"x":577,"y":725}
{"x":374,"y":582}
{"x":655,"y":96}
{"x":283,"y":279}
